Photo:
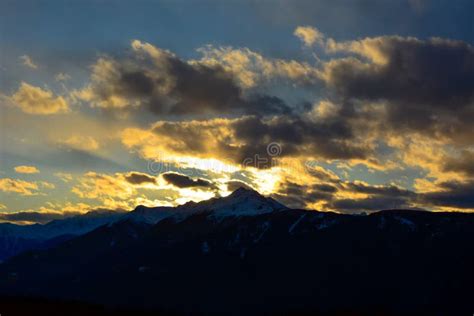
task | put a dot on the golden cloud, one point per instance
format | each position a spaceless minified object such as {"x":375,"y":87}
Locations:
{"x":127,"y":190}
{"x":170,"y":140}
{"x":252,"y":69}
{"x":94,"y":185}
{"x":244,"y":141}
{"x":309,"y":35}
{"x":34,"y":100}
{"x":23,"y":187}
{"x":80,"y":142}
{"x":44,"y":214}
{"x":18,"y":186}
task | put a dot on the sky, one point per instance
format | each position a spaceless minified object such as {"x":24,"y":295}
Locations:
{"x":346,"y":106}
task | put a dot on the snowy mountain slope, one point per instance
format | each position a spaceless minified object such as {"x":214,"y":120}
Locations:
{"x":242,"y":202}
{"x":17,"y":238}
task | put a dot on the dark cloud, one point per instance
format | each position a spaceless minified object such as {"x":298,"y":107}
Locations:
{"x":428,"y":85}
{"x":166,"y":85}
{"x":35,"y":217}
{"x":389,"y":190}
{"x":258,"y":142}
{"x":197,"y":89}
{"x":183,"y":181}
{"x":236,"y":184}
{"x":325,"y":188}
{"x":391,"y":83}
{"x":297,"y":136}
{"x":463,"y":164}
{"x":375,"y":203}
{"x":139,"y":178}
{"x":378,"y":197}
{"x":452,"y":194}
{"x":298,"y":195}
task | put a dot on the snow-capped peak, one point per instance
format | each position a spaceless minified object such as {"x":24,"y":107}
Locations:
{"x":241,"y":202}
{"x":150,"y":215}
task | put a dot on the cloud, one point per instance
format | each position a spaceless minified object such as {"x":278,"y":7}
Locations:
{"x":252,"y":69}
{"x":452,"y":194}
{"x":376,"y":203}
{"x":314,"y":187}
{"x":127,"y":190}
{"x":384,"y":190}
{"x":309,"y":35}
{"x":157,"y":80}
{"x":28,"y":62}
{"x":245,"y":141}
{"x":80,"y":142}
{"x":183,"y":181}
{"x":34,"y":100}
{"x":386,"y":103}
{"x":51,"y":211}
{"x":32,"y":217}
{"x":23,"y":187}
{"x":365,"y":197}
{"x":26,"y":169}
{"x":62,"y":77}
{"x":319,"y":189}
{"x":2,"y":206}
{"x":65,"y":177}
{"x":464,"y":163}
{"x":96,"y":186}
{"x":236,"y":184}
{"x":139,"y":178}
{"x":422,"y":86}
{"x":47,"y":185}
{"x":304,"y":195}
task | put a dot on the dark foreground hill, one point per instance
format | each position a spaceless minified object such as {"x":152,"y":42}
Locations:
{"x":248,"y":255}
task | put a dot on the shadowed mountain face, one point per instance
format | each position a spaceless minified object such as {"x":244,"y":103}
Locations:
{"x":246,"y":254}
{"x":15,"y":239}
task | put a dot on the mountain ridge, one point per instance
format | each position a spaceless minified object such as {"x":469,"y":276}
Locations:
{"x":275,"y":261}
{"x":15,"y":239}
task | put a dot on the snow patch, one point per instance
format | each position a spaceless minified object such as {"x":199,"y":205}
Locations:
{"x":205,"y":247}
{"x":296,"y":223}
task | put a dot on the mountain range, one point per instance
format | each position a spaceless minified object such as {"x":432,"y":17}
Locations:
{"x":249,"y":254}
